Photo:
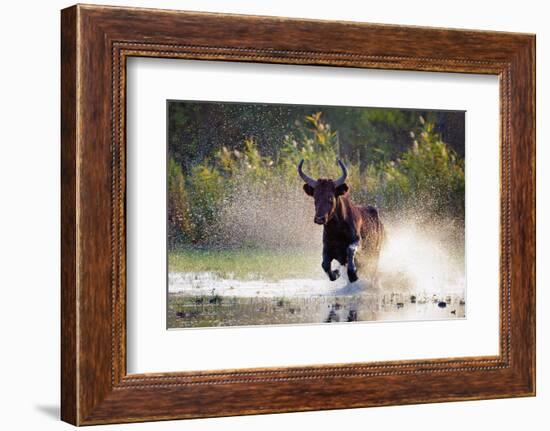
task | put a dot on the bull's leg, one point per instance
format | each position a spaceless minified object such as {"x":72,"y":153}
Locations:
{"x":352,"y":269}
{"x":326,"y":264}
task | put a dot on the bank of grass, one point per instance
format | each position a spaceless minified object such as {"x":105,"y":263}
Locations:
{"x":246,"y":263}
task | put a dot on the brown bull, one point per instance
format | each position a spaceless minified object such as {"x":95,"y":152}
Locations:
{"x":347,"y":228}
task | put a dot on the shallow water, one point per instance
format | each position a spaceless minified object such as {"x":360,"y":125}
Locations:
{"x":204,"y":300}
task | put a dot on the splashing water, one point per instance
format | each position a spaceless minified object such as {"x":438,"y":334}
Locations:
{"x":264,"y":267}
{"x":420,"y":260}
{"x":273,"y":216}
{"x":416,"y":257}
{"x":416,"y":262}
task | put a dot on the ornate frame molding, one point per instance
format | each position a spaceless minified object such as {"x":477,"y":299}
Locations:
{"x":96,"y":41}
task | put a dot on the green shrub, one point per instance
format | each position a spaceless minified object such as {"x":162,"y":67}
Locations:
{"x":429,"y":175}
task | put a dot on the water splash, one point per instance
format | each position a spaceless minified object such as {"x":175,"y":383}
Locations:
{"x":270,"y":215}
{"x":420,"y":259}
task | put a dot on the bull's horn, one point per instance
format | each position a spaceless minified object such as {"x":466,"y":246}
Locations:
{"x":344,"y":176}
{"x":309,"y":181}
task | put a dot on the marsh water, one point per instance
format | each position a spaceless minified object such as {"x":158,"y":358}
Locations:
{"x":420,"y":277}
{"x":205,"y":300}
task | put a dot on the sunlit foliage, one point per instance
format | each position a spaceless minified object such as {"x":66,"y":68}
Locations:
{"x":426,"y":178}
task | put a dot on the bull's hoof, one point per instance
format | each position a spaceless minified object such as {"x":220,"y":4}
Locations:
{"x":333,"y":275}
{"x":352,"y":276}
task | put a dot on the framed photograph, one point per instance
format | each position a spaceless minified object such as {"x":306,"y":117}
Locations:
{"x":266,"y":215}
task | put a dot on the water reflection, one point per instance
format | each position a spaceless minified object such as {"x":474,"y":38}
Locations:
{"x":185,"y":311}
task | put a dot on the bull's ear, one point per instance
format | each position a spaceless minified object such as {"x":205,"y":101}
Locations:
{"x":341,"y":190}
{"x":308,"y":189}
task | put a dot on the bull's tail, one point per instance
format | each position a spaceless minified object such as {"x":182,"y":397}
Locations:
{"x":379,"y":234}
{"x":383,"y":234}
{"x":375,"y":236}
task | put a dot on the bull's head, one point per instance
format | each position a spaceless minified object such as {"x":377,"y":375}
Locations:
{"x":325,"y":192}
